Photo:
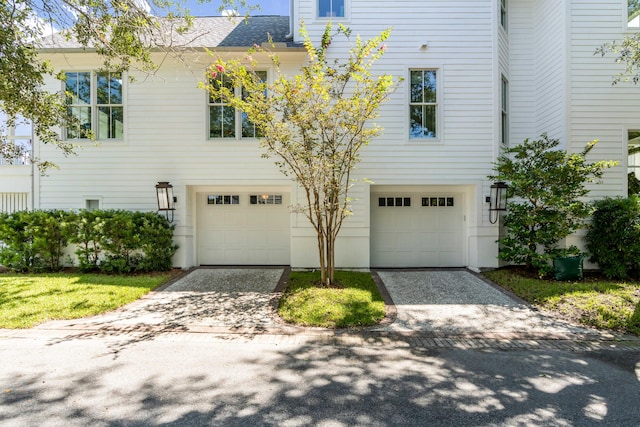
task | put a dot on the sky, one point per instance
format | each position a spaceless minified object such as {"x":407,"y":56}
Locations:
{"x":267,"y":7}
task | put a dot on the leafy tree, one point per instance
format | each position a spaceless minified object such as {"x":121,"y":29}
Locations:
{"x":547,"y":187}
{"x":315,"y":123}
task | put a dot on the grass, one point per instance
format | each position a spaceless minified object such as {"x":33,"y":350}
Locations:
{"x":355,"y":302}
{"x":28,"y":300}
{"x":595,"y":301}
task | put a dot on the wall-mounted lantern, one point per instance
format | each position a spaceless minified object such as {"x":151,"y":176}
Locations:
{"x":497,"y":200}
{"x":166,"y":199}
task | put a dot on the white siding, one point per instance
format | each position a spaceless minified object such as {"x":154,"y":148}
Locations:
{"x":598,"y":109}
{"x":538,"y":55}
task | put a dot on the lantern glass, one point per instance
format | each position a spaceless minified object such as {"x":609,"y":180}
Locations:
{"x":164,"y":192}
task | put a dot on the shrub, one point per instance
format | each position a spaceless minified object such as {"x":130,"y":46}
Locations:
{"x":613,"y":238}
{"x":34,"y":241}
{"x":548,"y":186}
{"x":156,"y":243}
{"x":111,"y":241}
{"x":89,"y":226}
{"x":17,"y":251}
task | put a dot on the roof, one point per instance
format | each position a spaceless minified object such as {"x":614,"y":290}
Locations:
{"x":210,"y":32}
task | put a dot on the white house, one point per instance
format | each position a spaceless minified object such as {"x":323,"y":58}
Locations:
{"x":477,"y":73}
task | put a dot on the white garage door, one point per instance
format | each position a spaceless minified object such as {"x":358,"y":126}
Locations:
{"x":410,"y":229}
{"x":243,"y":228}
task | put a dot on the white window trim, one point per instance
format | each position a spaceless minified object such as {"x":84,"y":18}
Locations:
{"x":237,"y":91}
{"x":439,"y":139}
{"x":94,"y":107}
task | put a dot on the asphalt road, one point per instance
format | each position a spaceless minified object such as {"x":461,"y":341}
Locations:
{"x":202,"y":379}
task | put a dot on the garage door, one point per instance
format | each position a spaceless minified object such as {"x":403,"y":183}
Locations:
{"x":243,"y":228}
{"x":410,"y":229}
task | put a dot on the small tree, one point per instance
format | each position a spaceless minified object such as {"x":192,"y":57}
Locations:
{"x":315,"y":123}
{"x":548,"y":187}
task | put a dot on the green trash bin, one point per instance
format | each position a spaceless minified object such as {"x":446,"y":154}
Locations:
{"x":568,"y":268}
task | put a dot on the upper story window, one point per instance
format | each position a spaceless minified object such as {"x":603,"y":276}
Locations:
{"x":224,"y":120}
{"x":95,"y":101}
{"x":503,"y":14}
{"x":504,"y":107}
{"x":331,"y":8}
{"x":633,"y":14}
{"x":423,"y":104}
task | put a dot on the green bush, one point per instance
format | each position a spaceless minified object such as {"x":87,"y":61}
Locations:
{"x":111,"y":241}
{"x":547,"y":187}
{"x":613,"y":238}
{"x":89,"y":227}
{"x":17,"y":251}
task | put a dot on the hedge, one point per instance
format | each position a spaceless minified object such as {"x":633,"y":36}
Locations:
{"x":110,"y":241}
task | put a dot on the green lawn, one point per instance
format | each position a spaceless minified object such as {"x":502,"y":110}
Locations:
{"x":356,"y":302}
{"x":595,"y":301}
{"x":28,"y":300}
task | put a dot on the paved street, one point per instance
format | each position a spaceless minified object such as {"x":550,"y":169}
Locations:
{"x":208,"y":351}
{"x":187,"y":379}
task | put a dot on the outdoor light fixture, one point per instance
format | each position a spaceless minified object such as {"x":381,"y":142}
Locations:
{"x":497,"y":200}
{"x":166,"y":199}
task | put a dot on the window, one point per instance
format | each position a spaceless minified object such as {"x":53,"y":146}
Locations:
{"x":633,"y":14}
{"x":92,"y":204}
{"x":438,"y":201}
{"x":394,"y":201}
{"x":503,"y":14}
{"x":265,"y":199}
{"x":95,"y":102}
{"x":331,"y":8}
{"x":223,"y":199}
{"x":423,"y":104}
{"x":504,"y":107}
{"x":224,"y":120}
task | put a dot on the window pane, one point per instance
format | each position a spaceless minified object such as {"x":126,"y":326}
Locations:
{"x":221,"y":121}
{"x":415,"y":121}
{"x":416,"y":86}
{"x":82,"y":126}
{"x":324,"y":8}
{"x":78,"y":87}
{"x":429,"y":82}
{"x":422,"y":121}
{"x":429,"y":115}
{"x":109,"y":90}
{"x":110,"y":123}
{"x":338,"y":8}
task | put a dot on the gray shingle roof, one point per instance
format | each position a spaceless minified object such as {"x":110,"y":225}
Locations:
{"x":212,"y":32}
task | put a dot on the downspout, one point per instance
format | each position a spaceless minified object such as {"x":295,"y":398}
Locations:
{"x":290,"y":35}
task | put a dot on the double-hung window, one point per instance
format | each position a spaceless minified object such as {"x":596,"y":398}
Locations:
{"x":95,"y":104}
{"x":331,"y":8}
{"x":224,"y":120}
{"x":423,"y":104}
